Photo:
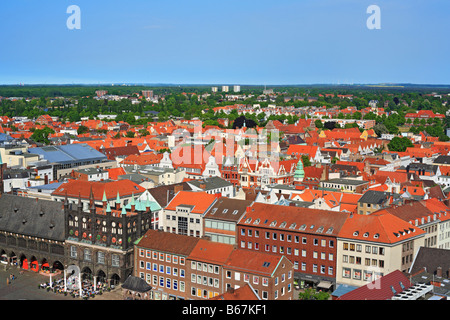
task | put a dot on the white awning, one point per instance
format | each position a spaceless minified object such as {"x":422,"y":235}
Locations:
{"x":324,"y":284}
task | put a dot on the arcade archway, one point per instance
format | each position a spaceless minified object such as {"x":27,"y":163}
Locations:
{"x":101,"y":276}
{"x":86,"y":274}
{"x":57,"y":265}
{"x":34,"y":264}
{"x":115,"y":280}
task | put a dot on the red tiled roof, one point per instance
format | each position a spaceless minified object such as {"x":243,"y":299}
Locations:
{"x":199,"y":199}
{"x":380,"y":226}
{"x":114,"y":173}
{"x":253,"y":261}
{"x":283,"y":217}
{"x":242,"y":293}
{"x":211,"y":252}
{"x":75,"y":188}
{"x":168,"y":242}
{"x":379,"y":289}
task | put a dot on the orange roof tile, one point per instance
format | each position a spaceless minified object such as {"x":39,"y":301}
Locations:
{"x":199,"y":199}
{"x":380,"y":226}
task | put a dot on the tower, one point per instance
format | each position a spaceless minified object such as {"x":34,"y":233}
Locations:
{"x":299,"y":173}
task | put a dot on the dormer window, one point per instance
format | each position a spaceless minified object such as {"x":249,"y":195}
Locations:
{"x":356,"y":233}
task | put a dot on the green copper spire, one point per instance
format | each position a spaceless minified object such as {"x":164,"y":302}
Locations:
{"x":104,"y":196}
{"x":108,"y":208}
{"x":118,"y":197}
{"x":299,"y":173}
{"x":124,"y":212}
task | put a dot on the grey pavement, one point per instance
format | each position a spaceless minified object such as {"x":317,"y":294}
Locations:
{"x":25,"y":287}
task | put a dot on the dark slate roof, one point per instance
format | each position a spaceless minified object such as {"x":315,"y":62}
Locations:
{"x":210,"y":183}
{"x":16,"y":173}
{"x":442,"y":160}
{"x":163,"y":194}
{"x":228,"y":209}
{"x":431,"y":259}
{"x":32,"y":217}
{"x":421,"y":167}
{"x":374,"y":197}
{"x":136,"y":284}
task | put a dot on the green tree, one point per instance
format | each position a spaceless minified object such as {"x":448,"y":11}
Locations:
{"x":318,"y":124}
{"x":312,"y":294}
{"x":399,"y":144}
{"x":82,"y":129}
{"x":306,"y":161}
{"x":41,"y":135}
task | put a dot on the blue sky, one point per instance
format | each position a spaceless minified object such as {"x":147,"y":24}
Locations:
{"x":224,"y":42}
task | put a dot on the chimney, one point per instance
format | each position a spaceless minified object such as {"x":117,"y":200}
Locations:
{"x":202,"y":186}
{"x":439,"y":272}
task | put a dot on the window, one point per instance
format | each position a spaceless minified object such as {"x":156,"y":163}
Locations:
{"x":346,"y":272}
{"x":100,"y":257}
{"x":115,"y":260}
{"x":73,"y":251}
{"x":87,"y":255}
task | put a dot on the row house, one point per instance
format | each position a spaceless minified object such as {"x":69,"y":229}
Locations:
{"x":266,"y":172}
{"x":180,"y":267}
{"x":160,"y":259}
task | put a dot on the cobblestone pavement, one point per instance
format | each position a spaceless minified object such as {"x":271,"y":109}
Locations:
{"x":25,"y":287}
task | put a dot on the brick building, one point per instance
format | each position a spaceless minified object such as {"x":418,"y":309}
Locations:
{"x":184,"y":267}
{"x":307,"y":237}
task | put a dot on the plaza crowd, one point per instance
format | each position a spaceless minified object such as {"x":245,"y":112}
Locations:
{"x":72,"y":287}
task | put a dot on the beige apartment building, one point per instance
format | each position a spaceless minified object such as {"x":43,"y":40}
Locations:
{"x":371,"y":246}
